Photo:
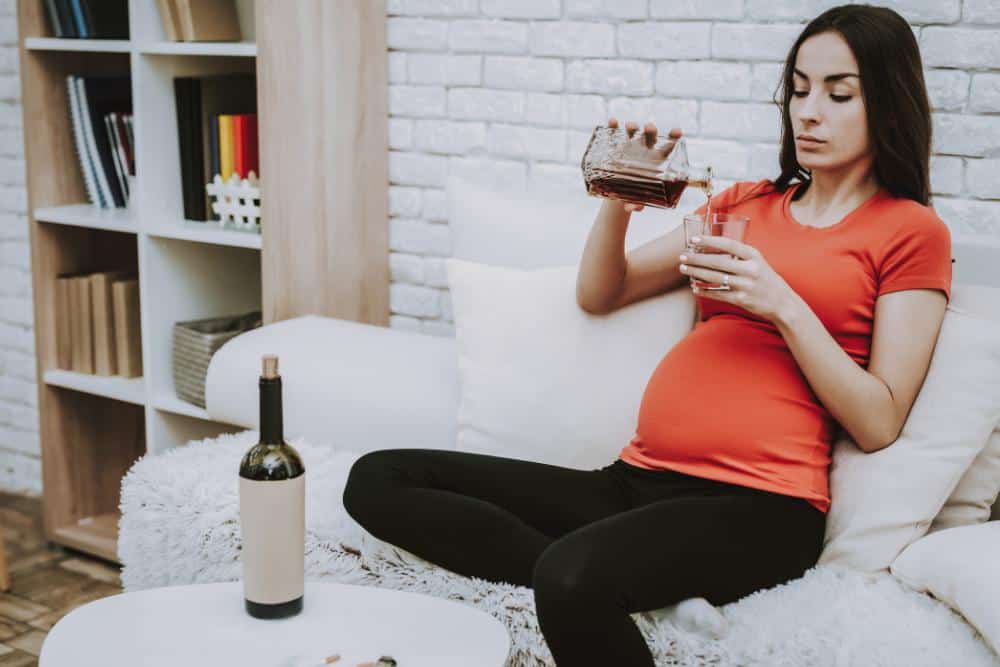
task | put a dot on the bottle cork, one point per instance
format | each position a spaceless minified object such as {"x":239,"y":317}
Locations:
{"x":269,"y":365}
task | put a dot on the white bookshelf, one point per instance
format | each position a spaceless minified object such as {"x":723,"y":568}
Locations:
{"x":187,"y":269}
{"x":93,"y":428}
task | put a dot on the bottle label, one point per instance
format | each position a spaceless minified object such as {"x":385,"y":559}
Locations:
{"x":273,"y":527}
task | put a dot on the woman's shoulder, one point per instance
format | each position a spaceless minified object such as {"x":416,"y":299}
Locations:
{"x":906,"y":216}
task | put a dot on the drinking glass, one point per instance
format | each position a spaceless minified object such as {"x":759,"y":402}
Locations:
{"x":729,"y":225}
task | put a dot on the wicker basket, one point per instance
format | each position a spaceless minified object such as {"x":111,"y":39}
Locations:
{"x":194,"y":343}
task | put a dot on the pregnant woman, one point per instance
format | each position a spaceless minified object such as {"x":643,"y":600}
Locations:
{"x":836,"y":296}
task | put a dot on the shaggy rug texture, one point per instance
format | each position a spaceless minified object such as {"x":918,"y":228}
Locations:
{"x":180,"y":525}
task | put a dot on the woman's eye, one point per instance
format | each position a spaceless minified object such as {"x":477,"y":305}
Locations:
{"x":835,"y":98}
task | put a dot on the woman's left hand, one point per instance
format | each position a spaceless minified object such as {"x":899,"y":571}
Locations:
{"x":753,"y":284}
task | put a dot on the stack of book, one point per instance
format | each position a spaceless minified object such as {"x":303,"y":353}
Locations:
{"x":97,"y":323}
{"x":200,"y":20}
{"x":88,"y":19}
{"x":216,"y":133}
{"x":101,"y":114}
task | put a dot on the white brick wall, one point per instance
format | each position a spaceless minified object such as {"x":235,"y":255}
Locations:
{"x":517,"y":85}
{"x":20,"y":463}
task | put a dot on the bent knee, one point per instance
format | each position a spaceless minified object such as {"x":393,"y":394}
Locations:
{"x":563,"y":572}
{"x":365,"y":480}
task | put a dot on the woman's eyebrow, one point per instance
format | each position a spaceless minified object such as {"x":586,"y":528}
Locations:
{"x":831,"y":77}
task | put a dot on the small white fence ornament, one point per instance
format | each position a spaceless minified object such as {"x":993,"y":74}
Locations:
{"x":236,"y":201}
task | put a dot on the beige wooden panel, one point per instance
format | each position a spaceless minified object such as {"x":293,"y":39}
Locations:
{"x":322,"y":92}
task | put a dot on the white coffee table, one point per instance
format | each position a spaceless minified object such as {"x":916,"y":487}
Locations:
{"x":205,"y":624}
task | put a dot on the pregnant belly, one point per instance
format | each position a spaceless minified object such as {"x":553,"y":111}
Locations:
{"x":731,"y":393}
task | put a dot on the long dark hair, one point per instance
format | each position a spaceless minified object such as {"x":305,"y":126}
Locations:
{"x":895,"y":97}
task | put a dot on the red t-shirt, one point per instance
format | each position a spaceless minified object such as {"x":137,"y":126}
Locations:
{"x":729,"y":402}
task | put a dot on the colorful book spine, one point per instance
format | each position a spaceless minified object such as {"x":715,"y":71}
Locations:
{"x":226,"y":145}
{"x":239,"y":145}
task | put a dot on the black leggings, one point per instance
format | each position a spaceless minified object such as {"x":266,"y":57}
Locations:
{"x":595,"y":545}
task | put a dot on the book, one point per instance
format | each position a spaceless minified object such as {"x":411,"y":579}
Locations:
{"x":208,"y":20}
{"x":108,"y":19}
{"x":252,"y":150}
{"x":169,"y":19}
{"x":226,"y":146}
{"x":125,"y":303}
{"x":64,"y":324}
{"x":77,"y":14}
{"x":55,"y":23}
{"x":105,"y":354}
{"x":116,"y":154}
{"x":239,"y":147}
{"x":82,"y":319}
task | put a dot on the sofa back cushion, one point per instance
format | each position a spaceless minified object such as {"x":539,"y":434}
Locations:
{"x":535,"y":226}
{"x":543,"y":380}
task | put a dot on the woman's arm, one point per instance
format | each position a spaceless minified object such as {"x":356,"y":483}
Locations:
{"x":871,"y":405}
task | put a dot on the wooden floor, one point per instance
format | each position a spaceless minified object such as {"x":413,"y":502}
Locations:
{"x":47,"y":581}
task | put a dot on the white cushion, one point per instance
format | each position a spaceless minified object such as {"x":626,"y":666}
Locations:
{"x":971,"y":500}
{"x":883,"y":501}
{"x":961,"y":568}
{"x":543,"y":380}
{"x":541,"y":225}
{"x":351,"y":385}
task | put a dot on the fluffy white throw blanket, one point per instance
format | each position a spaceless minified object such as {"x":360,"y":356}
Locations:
{"x":180,"y":525}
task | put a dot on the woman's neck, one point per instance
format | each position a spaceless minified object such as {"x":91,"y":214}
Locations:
{"x":826,"y":194}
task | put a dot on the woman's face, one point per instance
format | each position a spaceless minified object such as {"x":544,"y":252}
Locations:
{"x":831,"y":110}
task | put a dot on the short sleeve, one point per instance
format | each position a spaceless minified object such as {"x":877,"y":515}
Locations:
{"x":918,"y":256}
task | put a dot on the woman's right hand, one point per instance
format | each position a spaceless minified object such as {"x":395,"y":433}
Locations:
{"x":649,"y":138}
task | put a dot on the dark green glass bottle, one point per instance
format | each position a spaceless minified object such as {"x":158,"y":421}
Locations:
{"x":272,"y":511}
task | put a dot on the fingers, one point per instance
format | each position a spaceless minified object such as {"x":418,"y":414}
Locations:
{"x":649,"y":129}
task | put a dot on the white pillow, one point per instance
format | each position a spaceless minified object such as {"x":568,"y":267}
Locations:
{"x":541,"y":379}
{"x":974,"y":500}
{"x":883,"y":501}
{"x":540,"y":226}
{"x":970,"y":502}
{"x":959,"y":567}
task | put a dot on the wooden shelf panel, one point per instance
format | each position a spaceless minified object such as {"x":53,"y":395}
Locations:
{"x":97,"y":535}
{"x":248,"y":49}
{"x":63,"y":44}
{"x":90,"y":216}
{"x":205,"y":232}
{"x":129,"y":390}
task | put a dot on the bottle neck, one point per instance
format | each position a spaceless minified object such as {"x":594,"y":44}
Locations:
{"x":270,"y":411}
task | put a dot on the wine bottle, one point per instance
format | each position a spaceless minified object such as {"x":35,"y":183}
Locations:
{"x":272,"y":511}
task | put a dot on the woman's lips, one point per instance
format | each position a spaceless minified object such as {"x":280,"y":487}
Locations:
{"x":809,"y":143}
